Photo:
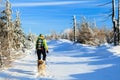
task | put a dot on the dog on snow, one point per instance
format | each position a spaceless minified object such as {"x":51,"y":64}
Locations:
{"x":41,"y":68}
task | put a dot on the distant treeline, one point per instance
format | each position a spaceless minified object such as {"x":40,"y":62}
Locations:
{"x":86,"y":33}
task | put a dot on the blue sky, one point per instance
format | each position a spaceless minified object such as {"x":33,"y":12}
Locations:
{"x":44,"y":16}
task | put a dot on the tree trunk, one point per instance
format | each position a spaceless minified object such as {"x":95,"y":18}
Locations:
{"x":74,"y":27}
{"x":118,"y":21}
{"x":114,"y":22}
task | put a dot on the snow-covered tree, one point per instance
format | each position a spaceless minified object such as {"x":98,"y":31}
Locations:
{"x":30,"y":40}
{"x":68,"y":34}
{"x":6,"y":31}
{"x":19,"y":35}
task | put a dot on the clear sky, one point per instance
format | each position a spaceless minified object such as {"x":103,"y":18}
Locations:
{"x":44,"y":16}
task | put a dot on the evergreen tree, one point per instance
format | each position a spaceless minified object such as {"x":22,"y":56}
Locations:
{"x":19,"y":35}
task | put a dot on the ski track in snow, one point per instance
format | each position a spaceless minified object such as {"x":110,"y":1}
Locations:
{"x":66,"y":61}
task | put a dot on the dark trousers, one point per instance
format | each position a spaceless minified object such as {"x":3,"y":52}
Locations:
{"x":41,"y":53}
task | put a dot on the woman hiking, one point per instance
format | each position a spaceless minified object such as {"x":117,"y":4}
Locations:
{"x":41,"y":47}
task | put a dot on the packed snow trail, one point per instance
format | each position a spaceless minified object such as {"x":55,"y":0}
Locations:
{"x":66,"y":61}
{"x":23,"y":69}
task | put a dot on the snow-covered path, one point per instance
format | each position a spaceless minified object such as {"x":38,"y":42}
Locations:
{"x":23,"y":69}
{"x":66,"y":61}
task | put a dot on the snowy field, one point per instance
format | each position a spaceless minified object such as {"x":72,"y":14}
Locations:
{"x":68,"y":61}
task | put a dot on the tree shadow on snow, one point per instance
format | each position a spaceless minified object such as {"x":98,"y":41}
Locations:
{"x":109,"y":73}
{"x":7,"y":76}
{"x":103,"y":57}
{"x":21,"y":71}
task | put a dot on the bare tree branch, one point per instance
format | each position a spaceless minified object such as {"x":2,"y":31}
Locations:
{"x":105,"y":4}
{"x":106,"y":18}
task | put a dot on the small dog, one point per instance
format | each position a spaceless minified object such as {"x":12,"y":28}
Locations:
{"x":41,"y":68}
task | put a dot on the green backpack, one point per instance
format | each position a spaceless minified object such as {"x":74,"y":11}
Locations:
{"x":40,"y":44}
